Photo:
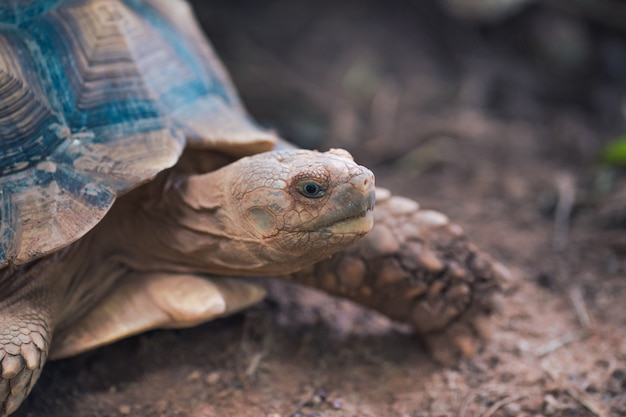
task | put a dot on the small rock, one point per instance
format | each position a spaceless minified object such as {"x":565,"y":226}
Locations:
{"x":512,"y":409}
{"x":124,"y":409}
{"x":194,"y":376}
{"x":551,"y":405}
{"x":213,"y":378}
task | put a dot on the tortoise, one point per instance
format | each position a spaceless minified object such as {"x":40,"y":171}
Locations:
{"x":136,"y":191}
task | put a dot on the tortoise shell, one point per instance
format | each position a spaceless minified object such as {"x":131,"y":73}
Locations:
{"x":97,"y":97}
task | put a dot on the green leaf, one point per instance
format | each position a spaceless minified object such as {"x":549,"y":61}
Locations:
{"x":614,"y":152}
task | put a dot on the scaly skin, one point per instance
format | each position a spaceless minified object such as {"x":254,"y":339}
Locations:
{"x":417,"y":267}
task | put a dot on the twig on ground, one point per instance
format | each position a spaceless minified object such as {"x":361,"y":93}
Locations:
{"x":582,"y":397}
{"x":580,"y":307}
{"x":241,"y":376}
{"x":566,"y":187}
{"x":586,"y":400}
{"x":254,"y":364}
{"x":556,"y":344}
{"x":466,"y":403}
{"x":499,"y":404}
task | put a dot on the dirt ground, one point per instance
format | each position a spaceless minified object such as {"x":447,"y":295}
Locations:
{"x":497,"y":125}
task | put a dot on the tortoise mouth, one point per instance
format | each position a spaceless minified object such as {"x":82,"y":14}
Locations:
{"x":359,"y":220}
{"x":358,"y":224}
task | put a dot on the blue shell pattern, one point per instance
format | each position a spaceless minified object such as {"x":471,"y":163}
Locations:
{"x":96,"y":97}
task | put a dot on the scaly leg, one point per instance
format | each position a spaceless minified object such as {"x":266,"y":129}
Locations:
{"x":417,"y":267}
{"x":142,"y":301}
{"x":26,"y":316}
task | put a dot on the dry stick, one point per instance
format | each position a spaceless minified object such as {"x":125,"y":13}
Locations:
{"x":556,"y":344}
{"x":576,"y":296}
{"x":255,"y":362}
{"x":582,"y":397}
{"x":567,"y":196}
{"x":499,"y":404}
{"x":466,"y":403}
{"x":586,"y":400}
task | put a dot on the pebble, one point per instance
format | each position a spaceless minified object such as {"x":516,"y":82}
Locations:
{"x":124,"y":409}
{"x":194,"y":376}
{"x":512,"y":409}
{"x":213,"y":378}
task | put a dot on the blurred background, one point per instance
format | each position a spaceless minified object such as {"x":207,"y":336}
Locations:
{"x":401,"y":73}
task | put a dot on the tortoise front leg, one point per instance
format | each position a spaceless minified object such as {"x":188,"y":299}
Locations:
{"x":142,"y":301}
{"x":416,"y":267}
{"x":26,"y":315}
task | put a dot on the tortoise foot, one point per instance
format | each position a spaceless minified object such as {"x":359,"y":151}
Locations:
{"x":429,"y":275}
{"x":23,"y":351}
{"x":419,"y":268}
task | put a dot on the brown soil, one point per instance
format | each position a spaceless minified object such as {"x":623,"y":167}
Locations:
{"x":497,"y":126}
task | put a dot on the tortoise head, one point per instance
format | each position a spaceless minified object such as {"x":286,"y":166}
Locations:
{"x":279,"y":211}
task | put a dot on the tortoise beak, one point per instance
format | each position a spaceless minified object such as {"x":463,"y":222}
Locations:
{"x":352,"y":206}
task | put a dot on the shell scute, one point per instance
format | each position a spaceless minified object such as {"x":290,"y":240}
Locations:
{"x":25,"y":115}
{"x":92,"y":77}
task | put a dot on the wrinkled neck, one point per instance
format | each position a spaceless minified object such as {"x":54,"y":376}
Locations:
{"x":171,"y":224}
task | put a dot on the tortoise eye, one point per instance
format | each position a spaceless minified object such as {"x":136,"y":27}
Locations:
{"x":311,"y":189}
